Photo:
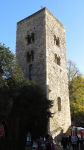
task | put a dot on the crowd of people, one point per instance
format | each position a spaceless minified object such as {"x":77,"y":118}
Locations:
{"x":73,"y":141}
{"x":46,"y":144}
{"x":66,"y":142}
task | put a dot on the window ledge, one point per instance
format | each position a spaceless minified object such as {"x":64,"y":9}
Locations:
{"x":31,"y":43}
{"x":57,"y":46}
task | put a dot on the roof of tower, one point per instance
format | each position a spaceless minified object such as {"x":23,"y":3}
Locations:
{"x":39,"y":12}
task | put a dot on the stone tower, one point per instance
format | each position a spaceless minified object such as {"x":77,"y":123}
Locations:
{"x":41,"y":52}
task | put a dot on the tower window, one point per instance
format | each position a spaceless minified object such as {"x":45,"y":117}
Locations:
{"x":58,"y":60}
{"x":32,"y":53}
{"x":55,"y":58}
{"x":56,"y":40}
{"x":30,"y":38}
{"x":59,"y":104}
{"x":31,"y":72}
{"x":30,"y":57}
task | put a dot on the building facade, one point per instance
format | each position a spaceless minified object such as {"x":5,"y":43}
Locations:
{"x":41,"y":53}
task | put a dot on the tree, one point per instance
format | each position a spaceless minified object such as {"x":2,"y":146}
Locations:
{"x":32,"y":105}
{"x":21,"y":98}
{"x":76,"y":92}
{"x":10,"y":77}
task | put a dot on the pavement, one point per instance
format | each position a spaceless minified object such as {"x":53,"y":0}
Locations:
{"x":58,"y":148}
{"x":61,"y":148}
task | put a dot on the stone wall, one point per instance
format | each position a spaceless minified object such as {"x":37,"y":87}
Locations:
{"x":46,"y":72}
{"x":33,"y":24}
{"x":56,"y":75}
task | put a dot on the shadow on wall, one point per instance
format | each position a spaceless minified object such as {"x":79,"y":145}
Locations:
{"x":58,"y":132}
{"x":58,"y":137}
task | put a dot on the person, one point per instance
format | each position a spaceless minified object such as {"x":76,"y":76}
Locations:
{"x":35,"y":145}
{"x":64,"y":142}
{"x":47,"y":142}
{"x":74,"y":140}
{"x":69,"y":142}
{"x":39,"y":142}
{"x":52,"y":145}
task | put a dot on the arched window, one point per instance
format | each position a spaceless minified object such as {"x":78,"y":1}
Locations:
{"x":55,"y":58}
{"x":30,"y":72}
{"x":32,"y":53}
{"x":30,"y":57}
{"x":54,"y":39}
{"x":30,"y":38}
{"x":58,"y":60}
{"x":59,"y":104}
{"x":57,"y":41}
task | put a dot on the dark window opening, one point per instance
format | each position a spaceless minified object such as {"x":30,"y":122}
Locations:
{"x":59,"y":104}
{"x":32,"y":53}
{"x":31,"y":72}
{"x":30,"y":38}
{"x":30,"y":57}
{"x":58,"y":60}
{"x":56,"y":40}
{"x":55,"y":58}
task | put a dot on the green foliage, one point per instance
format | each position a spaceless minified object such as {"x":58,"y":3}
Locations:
{"x":20,"y":97}
{"x":32,"y":105}
{"x":8,"y":66}
{"x":6,"y":61}
{"x":10,"y":77}
{"x":76,"y":92}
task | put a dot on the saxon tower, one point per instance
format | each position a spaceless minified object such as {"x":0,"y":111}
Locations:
{"x":41,"y":52}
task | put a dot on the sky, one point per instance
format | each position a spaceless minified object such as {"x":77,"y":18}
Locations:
{"x":71,"y":15}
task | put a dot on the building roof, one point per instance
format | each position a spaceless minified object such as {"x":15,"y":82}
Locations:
{"x":39,"y":12}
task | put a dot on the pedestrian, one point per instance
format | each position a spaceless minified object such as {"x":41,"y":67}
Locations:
{"x":47,"y":142}
{"x":69,"y":142}
{"x":74,"y":140}
{"x":39,"y":142}
{"x":64,"y":142}
{"x":52,"y":145}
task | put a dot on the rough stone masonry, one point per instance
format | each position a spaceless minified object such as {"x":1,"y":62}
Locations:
{"x":41,"y":53}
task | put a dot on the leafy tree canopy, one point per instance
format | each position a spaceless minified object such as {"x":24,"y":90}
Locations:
{"x":76,"y":92}
{"x":10,"y":77}
{"x":8,"y":66}
{"x":23,"y":98}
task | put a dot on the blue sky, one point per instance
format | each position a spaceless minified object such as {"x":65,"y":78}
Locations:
{"x":71,"y":15}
